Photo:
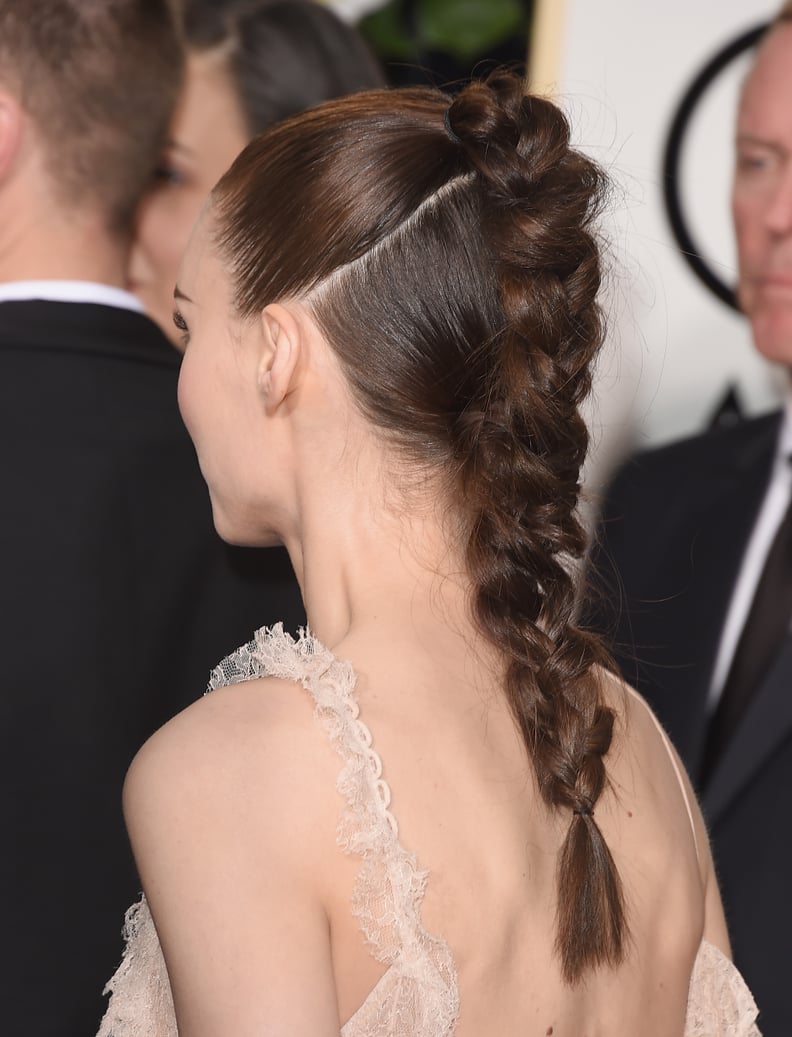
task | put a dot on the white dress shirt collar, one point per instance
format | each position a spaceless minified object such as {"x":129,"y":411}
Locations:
{"x":69,"y":291}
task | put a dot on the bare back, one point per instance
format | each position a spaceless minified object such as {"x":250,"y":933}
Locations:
{"x":405,"y":886}
{"x":466,"y":803}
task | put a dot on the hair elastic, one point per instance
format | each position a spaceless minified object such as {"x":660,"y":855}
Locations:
{"x":583,"y":811}
{"x":447,"y":123}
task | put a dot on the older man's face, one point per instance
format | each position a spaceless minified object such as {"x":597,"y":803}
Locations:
{"x":762,"y":196}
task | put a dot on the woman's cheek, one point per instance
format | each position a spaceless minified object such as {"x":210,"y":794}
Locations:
{"x":185,"y":396}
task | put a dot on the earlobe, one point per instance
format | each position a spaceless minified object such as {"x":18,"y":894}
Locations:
{"x":10,"y":130}
{"x":279,"y":362}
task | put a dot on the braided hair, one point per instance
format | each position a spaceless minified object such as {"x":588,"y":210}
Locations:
{"x":448,"y":253}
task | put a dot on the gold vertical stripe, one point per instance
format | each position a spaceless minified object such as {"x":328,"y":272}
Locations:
{"x":544,"y":57}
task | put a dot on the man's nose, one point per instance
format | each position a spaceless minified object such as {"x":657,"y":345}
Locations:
{"x":778,"y":216}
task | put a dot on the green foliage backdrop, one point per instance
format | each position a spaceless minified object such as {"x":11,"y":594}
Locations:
{"x":445,"y":40}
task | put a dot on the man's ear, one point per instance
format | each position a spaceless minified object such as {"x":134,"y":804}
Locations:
{"x":280,"y":356}
{"x":11,"y":120}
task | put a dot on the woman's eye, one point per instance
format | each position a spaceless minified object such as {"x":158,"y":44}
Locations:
{"x":168,"y":174}
{"x":181,"y":324}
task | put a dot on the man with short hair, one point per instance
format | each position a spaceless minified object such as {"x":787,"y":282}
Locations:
{"x":116,"y":596}
{"x":695,"y":548}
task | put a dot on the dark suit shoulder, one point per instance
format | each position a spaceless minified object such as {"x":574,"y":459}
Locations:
{"x":694,"y":460}
{"x":663,"y":500}
{"x":664,"y":559}
{"x":37,"y":325}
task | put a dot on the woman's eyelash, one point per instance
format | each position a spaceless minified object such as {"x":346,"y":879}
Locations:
{"x":181,"y":324}
{"x":168,"y":174}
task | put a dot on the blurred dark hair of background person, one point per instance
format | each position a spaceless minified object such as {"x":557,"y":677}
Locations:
{"x":249,"y":64}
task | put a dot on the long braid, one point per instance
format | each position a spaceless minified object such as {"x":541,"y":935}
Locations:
{"x":450,"y":262}
{"x":520,"y":456}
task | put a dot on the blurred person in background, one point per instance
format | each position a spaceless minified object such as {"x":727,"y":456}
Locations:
{"x":249,"y":63}
{"x":695,"y":553}
{"x":116,"y":594}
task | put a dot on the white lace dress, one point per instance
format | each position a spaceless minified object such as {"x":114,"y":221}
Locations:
{"x":417,"y":996}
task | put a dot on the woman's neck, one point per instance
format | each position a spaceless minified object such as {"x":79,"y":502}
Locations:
{"x":361,"y":565}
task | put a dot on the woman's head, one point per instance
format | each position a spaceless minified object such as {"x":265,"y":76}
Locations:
{"x":249,"y":63}
{"x":445,"y":251}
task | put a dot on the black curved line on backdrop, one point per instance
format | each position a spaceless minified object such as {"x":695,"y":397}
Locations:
{"x":673,"y":153}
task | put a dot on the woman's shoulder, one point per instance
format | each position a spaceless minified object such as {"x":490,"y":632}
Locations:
{"x":643,"y":763}
{"x":247,"y":759}
{"x":637,"y":731}
{"x":245,"y":721}
{"x":666,"y":831}
{"x":230,"y":807}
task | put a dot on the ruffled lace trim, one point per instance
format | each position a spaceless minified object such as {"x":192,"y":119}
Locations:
{"x":720,"y":1003}
{"x":422,"y":995}
{"x":141,"y":1004}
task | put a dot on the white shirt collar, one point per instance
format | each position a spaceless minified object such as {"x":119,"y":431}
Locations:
{"x":69,"y":291}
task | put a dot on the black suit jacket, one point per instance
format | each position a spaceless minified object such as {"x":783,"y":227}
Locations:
{"x":675,"y":525}
{"x":116,"y":599}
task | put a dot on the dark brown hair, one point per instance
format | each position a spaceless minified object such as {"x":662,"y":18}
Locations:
{"x":100,"y":79}
{"x":447,"y":250}
{"x":283,"y":55}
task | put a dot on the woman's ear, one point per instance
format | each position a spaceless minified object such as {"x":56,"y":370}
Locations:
{"x":279,"y":363}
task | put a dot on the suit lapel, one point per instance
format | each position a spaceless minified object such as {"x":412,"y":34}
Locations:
{"x":718,"y":549}
{"x":735,"y":489}
{"x":767,"y":723}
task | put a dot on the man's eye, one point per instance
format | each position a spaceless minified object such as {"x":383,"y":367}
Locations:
{"x":751,"y":162}
{"x":754,"y":161}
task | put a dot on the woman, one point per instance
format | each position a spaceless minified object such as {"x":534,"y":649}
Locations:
{"x":390,"y":314}
{"x":249,"y":63}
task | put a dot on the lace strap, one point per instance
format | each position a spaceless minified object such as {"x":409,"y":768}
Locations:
{"x":390,"y":885}
{"x":367,"y":827}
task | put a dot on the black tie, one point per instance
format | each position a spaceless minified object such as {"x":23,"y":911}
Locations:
{"x":764,"y":631}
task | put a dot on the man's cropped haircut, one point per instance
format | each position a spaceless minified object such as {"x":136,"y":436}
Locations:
{"x":99,"y":78}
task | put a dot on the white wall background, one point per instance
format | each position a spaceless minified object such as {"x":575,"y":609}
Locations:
{"x":620,"y":67}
